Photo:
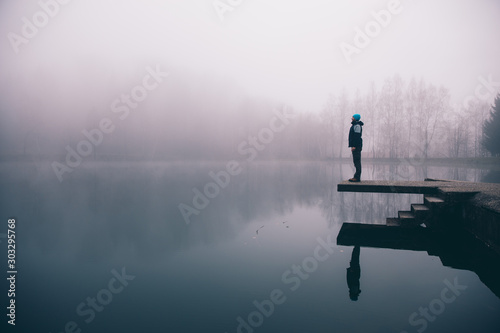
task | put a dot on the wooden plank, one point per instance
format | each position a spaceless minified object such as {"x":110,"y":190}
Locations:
{"x":382,"y":186}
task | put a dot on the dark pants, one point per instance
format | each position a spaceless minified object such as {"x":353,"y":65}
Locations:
{"x":356,"y":157}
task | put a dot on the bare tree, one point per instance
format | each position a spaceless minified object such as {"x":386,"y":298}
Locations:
{"x":371,"y":106}
{"x":343,"y":107}
{"x":327,"y":117}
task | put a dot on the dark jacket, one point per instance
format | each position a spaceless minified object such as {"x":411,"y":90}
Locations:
{"x":355,"y":134}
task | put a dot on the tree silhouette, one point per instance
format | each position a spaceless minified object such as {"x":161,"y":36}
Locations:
{"x":491,"y":140}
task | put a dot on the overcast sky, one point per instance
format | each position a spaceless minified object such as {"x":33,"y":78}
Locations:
{"x":286,"y":49}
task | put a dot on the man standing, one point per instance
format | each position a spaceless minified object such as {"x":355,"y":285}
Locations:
{"x":356,"y":145}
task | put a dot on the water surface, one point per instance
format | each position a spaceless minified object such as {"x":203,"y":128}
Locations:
{"x":243,"y":248}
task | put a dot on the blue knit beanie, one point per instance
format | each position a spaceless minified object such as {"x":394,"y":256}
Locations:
{"x":357,"y":117}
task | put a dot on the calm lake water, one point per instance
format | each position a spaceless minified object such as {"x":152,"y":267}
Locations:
{"x":108,"y":250}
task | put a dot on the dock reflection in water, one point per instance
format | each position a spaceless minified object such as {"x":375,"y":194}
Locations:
{"x":459,"y":250}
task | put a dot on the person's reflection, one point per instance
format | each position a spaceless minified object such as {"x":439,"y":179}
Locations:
{"x":353,"y":275}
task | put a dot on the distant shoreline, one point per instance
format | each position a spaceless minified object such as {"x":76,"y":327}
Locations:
{"x":493,"y":162}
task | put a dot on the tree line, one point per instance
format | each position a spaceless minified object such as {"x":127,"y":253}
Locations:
{"x":404,"y":120}
{"x":205,"y":120}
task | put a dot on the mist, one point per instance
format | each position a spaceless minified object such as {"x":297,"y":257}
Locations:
{"x":173,"y":164}
{"x":227,"y":69}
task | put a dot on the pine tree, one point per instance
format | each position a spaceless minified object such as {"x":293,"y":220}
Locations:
{"x":491,"y":129}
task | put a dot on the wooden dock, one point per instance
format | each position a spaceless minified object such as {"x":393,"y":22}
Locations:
{"x":412,"y":187}
{"x":447,"y":206}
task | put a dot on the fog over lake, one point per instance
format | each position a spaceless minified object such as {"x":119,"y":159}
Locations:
{"x":173,"y":165}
